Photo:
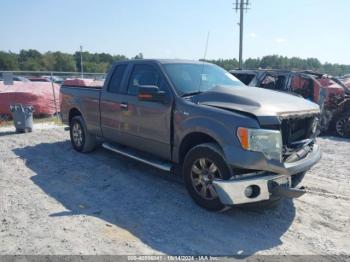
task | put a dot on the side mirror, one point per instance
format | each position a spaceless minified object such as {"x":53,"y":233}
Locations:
{"x":152,"y":94}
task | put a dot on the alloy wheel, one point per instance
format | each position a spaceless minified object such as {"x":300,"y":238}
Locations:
{"x":77,"y":133}
{"x":203,"y":172}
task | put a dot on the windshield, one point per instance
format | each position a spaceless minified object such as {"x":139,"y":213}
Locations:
{"x":192,"y":78}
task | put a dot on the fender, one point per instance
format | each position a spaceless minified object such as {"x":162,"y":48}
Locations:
{"x":205,"y":125}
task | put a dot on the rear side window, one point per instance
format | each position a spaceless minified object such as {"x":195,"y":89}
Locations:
{"x":116,"y":80}
{"x":143,"y":75}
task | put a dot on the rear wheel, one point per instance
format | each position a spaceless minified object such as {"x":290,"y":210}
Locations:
{"x":81,"y":140}
{"x":201,"y":166}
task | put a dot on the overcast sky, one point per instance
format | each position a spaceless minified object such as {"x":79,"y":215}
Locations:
{"x":178,"y":28}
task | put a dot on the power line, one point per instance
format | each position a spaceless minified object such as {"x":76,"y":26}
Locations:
{"x":241,"y":5}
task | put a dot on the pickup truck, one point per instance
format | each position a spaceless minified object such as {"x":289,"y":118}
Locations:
{"x":232,"y":144}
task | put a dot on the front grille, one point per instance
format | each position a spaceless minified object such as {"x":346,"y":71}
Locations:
{"x":297,"y":129}
{"x":297,"y":133}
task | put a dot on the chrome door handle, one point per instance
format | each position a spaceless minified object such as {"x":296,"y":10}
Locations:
{"x":124,"y":106}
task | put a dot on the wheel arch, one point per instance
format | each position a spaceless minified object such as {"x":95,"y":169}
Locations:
{"x":193,"y":139}
{"x":72,"y":113}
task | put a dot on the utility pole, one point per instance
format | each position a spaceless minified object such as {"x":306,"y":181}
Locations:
{"x":240,"y":6}
{"x":81,"y":62}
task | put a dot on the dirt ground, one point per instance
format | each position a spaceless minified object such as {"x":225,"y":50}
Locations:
{"x":54,"y":200}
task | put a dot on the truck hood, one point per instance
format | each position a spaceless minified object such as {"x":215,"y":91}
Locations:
{"x":268,"y":106}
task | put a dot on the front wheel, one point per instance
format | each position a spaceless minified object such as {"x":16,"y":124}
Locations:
{"x":201,"y":166}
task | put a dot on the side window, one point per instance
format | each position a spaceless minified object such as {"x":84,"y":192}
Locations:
{"x":143,"y":75}
{"x":281,"y":83}
{"x":268,"y":82}
{"x":117,"y":77}
{"x":244,"y":78}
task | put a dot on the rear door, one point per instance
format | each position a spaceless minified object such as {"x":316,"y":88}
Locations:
{"x":110,"y":104}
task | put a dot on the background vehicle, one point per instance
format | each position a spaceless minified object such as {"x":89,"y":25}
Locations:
{"x":233,"y":144}
{"x":39,"y":79}
{"x":18,"y":78}
{"x":55,"y":79}
{"x":330,"y":93}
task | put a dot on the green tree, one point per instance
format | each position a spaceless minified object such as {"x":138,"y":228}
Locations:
{"x":139,"y":56}
{"x":33,"y":60}
{"x":30,"y":60}
{"x":252,"y":63}
{"x":8,"y":61}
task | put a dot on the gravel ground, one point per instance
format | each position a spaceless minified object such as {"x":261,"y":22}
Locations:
{"x":56,"y":201}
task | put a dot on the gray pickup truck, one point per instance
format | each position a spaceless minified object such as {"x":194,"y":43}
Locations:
{"x":233,"y":144}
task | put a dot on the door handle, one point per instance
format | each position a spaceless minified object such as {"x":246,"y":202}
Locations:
{"x":124,"y":106}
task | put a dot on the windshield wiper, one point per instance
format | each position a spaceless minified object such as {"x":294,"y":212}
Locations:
{"x":192,"y":93}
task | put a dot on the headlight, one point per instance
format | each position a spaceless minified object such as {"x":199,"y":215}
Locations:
{"x":266,"y":141}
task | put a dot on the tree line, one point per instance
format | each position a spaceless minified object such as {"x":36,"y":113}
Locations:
{"x":283,"y":62}
{"x":33,"y":60}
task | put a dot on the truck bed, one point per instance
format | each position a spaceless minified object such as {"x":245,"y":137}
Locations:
{"x":88,"y":98}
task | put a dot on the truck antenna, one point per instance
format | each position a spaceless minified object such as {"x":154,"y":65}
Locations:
{"x":206,"y":46}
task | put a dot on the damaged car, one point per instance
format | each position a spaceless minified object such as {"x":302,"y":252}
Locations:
{"x":231,"y":144}
{"x":331,"y":94}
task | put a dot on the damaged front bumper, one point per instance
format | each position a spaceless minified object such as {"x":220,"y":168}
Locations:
{"x":255,"y":188}
{"x":257,"y":161}
{"x":264,"y":185}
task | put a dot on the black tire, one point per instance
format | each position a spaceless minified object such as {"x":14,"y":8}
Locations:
{"x":86,"y":142}
{"x":213,"y":154}
{"x":341,"y":125}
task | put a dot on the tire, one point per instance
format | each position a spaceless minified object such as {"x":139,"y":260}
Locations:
{"x":81,"y":140}
{"x":342,"y":125}
{"x":198,"y":175}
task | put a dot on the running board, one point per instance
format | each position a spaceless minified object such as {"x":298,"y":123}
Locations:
{"x":130,"y":153}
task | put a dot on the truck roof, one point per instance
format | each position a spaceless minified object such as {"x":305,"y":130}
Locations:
{"x":167,"y":61}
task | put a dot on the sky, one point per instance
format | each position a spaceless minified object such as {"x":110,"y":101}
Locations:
{"x":179,"y":28}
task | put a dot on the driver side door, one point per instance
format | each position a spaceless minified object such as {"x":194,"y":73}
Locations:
{"x":146,"y":125}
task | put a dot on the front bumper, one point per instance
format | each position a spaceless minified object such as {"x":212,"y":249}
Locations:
{"x":232,"y":192}
{"x":276,"y":180}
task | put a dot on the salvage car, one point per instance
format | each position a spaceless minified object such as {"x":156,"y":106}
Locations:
{"x":39,"y":79}
{"x":346,"y":81}
{"x":330,"y":93}
{"x":232,"y":144}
